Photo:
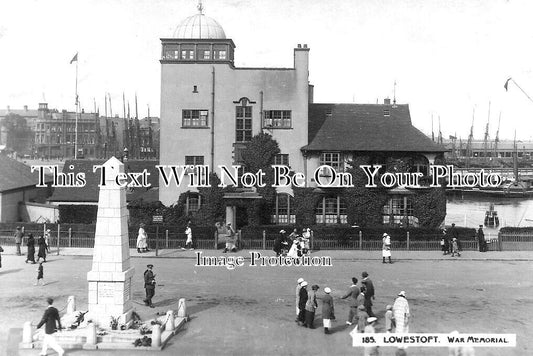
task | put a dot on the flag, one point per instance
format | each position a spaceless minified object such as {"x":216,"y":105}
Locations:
{"x":506,"y":84}
{"x":75,"y":58}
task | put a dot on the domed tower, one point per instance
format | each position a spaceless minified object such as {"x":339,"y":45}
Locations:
{"x":198,"y":38}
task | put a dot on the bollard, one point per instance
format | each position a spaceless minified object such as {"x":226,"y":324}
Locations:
{"x":156,"y":336}
{"x":91,"y":334}
{"x":58,"y":232}
{"x":71,"y":304}
{"x":69,"y":237}
{"x":216,"y":239}
{"x":408,"y":242}
{"x":360,"y":240}
{"x":170,"y":325}
{"x":182,"y":308}
{"x":166,"y":238}
{"x":26,"y":333}
{"x":264,"y":240}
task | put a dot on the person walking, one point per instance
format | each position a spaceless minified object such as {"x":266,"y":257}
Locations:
{"x":352,"y":294}
{"x":386,"y":248}
{"x":389,"y":319}
{"x":40,"y":275}
{"x":31,"y":249}
{"x":142,"y":239}
{"x":47,"y":238}
{"x":369,"y":293}
{"x":52,"y":323}
{"x":230,"y":239}
{"x":306,"y":236}
{"x":454,"y":234}
{"x":444,"y":242}
{"x":188,"y":233}
{"x":455,"y":248}
{"x":18,"y":239}
{"x":400,"y":311}
{"x":298,"y":287}
{"x":328,"y":310}
{"x":302,"y":302}
{"x":41,"y":253}
{"x":149,"y":285}
{"x":481,"y":239}
{"x":362,"y":317}
{"x":310,"y":308}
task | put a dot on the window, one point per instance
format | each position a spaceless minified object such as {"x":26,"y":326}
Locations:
{"x":194,"y":118}
{"x":170,"y":52}
{"x":331,"y":210}
{"x":193,"y":202}
{"x":283,"y":210}
{"x":277,"y":119}
{"x":187,"y":52}
{"x":399,"y":211}
{"x":204,"y":52}
{"x":332,"y":159}
{"x":194,"y":160}
{"x":281,"y":159}
{"x":243,"y":115}
{"x":386,"y":112}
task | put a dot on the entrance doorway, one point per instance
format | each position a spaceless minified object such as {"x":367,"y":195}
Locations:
{"x":241,"y":219}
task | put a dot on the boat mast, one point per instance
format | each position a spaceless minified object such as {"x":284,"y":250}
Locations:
{"x":486,"y":137}
{"x":469,"y":142}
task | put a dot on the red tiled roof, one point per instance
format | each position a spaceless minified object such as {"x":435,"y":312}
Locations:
{"x":365,"y":127}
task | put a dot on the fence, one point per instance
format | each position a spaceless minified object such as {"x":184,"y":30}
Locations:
{"x":173,"y":237}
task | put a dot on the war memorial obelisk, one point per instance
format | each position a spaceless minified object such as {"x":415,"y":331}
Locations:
{"x":110,"y":277}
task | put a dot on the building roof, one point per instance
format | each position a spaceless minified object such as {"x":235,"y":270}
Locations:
{"x":89,"y":192}
{"x":199,"y":26}
{"x":20,"y":112}
{"x":365,"y":127}
{"x":15,"y":174}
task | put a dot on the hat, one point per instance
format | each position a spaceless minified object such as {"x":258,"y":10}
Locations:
{"x":300,"y":280}
{"x":315,"y":287}
{"x":385,"y":234}
{"x":371,"y":319}
{"x":150,"y":266}
{"x":361,"y":307}
{"x":304,"y":284}
{"x":48,"y":230}
{"x":480,"y":225}
{"x":18,"y":227}
{"x":282,"y":231}
{"x":402,"y":293}
{"x":388,"y":307}
{"x":327,"y":290}
{"x":364,"y":274}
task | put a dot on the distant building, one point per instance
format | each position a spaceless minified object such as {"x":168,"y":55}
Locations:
{"x":503,"y":149}
{"x":17,"y":127}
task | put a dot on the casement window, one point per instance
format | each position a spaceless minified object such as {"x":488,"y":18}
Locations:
{"x":281,"y":159}
{"x":243,"y":124}
{"x":332,"y":159}
{"x":283,"y":212}
{"x":398,"y":211}
{"x":277,"y":119}
{"x":331,"y":210}
{"x":194,"y":118}
{"x":194,"y":160}
{"x":193,"y":203}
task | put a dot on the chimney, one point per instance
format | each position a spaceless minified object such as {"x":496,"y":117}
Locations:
{"x":8,"y":108}
{"x":386,"y":101}
{"x":311,"y":93}
{"x":25,"y":107}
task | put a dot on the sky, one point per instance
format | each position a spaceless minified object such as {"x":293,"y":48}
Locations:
{"x":449,"y":59}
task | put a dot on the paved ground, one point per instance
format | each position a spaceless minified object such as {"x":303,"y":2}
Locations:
{"x":250,"y":310}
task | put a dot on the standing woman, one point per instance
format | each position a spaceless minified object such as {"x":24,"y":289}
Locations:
{"x":142,"y":237}
{"x":328,"y":311}
{"x":31,"y":249}
{"x":41,"y":242}
{"x":386,"y":247}
{"x":310,"y":308}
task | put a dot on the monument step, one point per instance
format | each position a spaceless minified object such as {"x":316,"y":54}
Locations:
{"x":124,"y":346}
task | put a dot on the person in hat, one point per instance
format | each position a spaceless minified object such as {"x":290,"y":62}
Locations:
{"x":31,"y":249}
{"x":386,"y":249}
{"x":47,"y":238}
{"x":400,"y":310}
{"x":41,"y":253}
{"x":302,"y":302}
{"x":369,"y":292}
{"x":306,"y":236}
{"x":142,"y":239}
{"x":188,"y":233}
{"x":298,"y":287}
{"x":370,"y":329}
{"x":18,"y":239}
{"x":481,"y":239}
{"x":455,"y":247}
{"x":52,"y":323}
{"x":278,"y":243}
{"x":454,"y":234}
{"x":40,"y":274}
{"x":328,"y":310}
{"x":444,"y":242}
{"x":310,"y":308}
{"x":362,"y":317}
{"x":149,"y":285}
{"x":389,"y":319}
{"x":231,"y":239}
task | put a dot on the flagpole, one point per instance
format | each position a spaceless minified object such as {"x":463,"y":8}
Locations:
{"x":515,"y":83}
{"x":77,"y":111}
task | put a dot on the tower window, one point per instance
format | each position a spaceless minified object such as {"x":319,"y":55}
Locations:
{"x":220,"y":52}
{"x":187,"y":52}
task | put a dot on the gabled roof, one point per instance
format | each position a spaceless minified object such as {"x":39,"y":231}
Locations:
{"x":365,"y":127}
{"x":89,"y":192}
{"x":15,"y":174}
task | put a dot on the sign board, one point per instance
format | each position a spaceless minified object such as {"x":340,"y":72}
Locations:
{"x":157,"y":218}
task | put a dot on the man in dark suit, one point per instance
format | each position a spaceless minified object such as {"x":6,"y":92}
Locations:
{"x":352,"y":293}
{"x":369,"y":294}
{"x":149,"y":285}
{"x":50,"y":317}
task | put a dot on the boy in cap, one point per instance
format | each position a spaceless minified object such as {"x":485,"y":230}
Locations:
{"x":52,"y":323}
{"x":301,"y":302}
{"x":149,"y":285}
{"x":40,"y":274}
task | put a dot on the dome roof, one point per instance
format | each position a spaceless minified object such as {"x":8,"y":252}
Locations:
{"x":199,"y":26}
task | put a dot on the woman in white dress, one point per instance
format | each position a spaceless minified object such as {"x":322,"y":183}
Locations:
{"x":142,"y":238}
{"x":386,"y":248}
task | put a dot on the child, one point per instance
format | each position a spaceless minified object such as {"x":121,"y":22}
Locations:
{"x":389,"y":319}
{"x":362,"y":315}
{"x":188,"y":232}
{"x":455,"y":248}
{"x":40,"y":274}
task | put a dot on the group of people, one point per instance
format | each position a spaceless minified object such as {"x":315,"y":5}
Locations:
{"x":43,"y":249}
{"x":294,"y":245}
{"x":450,"y":243}
{"x":229,"y":235}
{"x":307,"y":303}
